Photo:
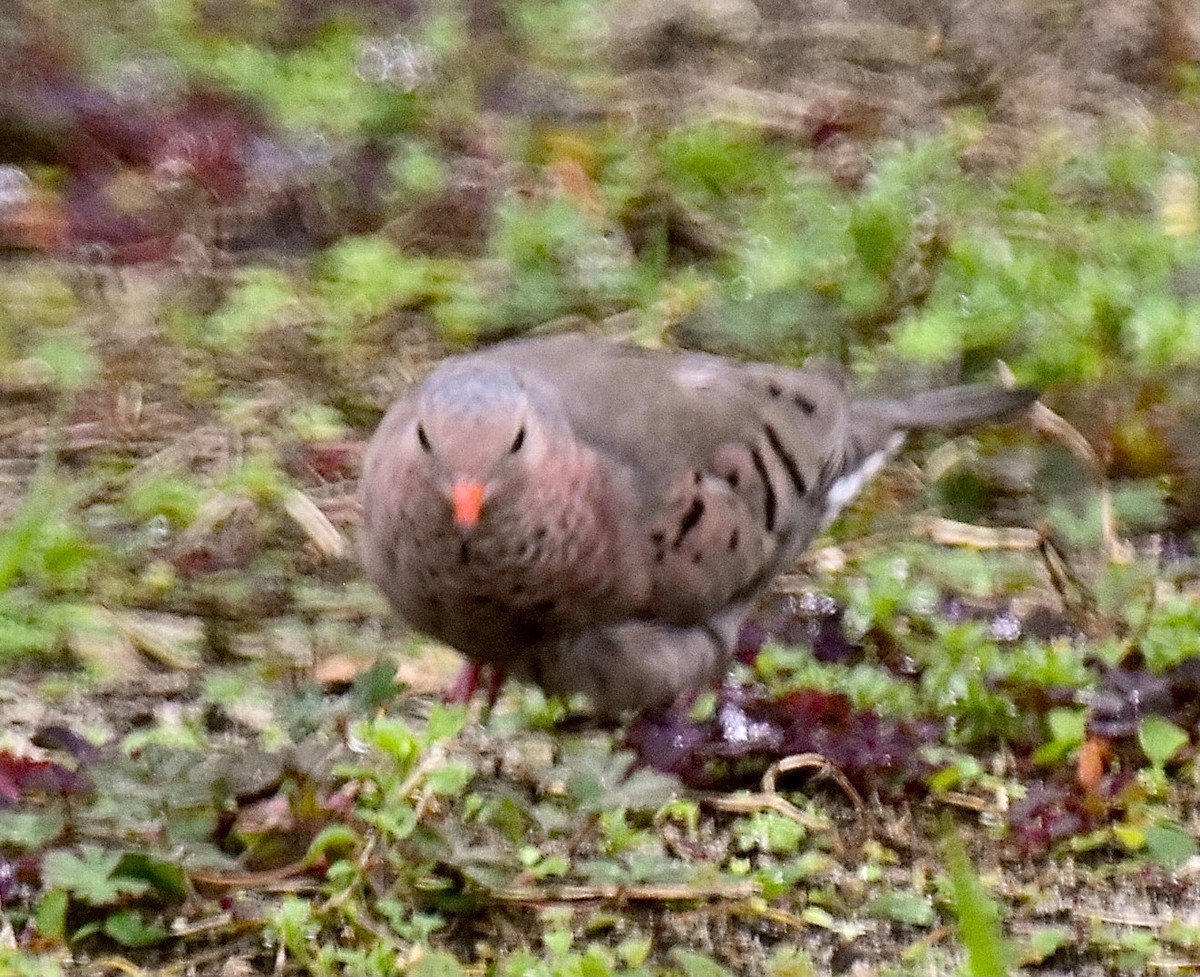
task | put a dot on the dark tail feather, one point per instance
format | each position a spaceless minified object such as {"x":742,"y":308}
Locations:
{"x":959,"y":408}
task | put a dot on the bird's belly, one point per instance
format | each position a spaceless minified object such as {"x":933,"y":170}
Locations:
{"x":491,"y":596}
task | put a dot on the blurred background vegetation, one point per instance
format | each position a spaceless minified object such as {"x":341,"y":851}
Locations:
{"x":313,"y":190}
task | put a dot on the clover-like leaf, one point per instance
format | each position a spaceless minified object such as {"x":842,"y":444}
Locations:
{"x":89,"y":876}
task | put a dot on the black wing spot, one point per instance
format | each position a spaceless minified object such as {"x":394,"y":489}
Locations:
{"x":518,"y":441}
{"x":769,"y":500}
{"x":785,"y":457}
{"x":831,"y":470}
{"x":696,"y":477}
{"x":658,"y":538}
{"x":733,"y":540}
{"x":733,"y":478}
{"x":714,"y":636}
{"x":774,"y":389}
{"x":805,"y":405}
{"x":690,"y":518}
{"x":696,"y":557}
{"x":423,"y":439}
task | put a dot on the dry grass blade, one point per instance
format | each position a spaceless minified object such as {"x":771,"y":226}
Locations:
{"x":330,"y":543}
{"x":769,"y":799}
{"x":812,"y":761}
{"x":971,"y":802}
{"x":748,"y":803}
{"x":1076,"y":597}
{"x":249,"y":880}
{"x":110,"y":965}
{"x":109,"y":652}
{"x":949,"y":532}
{"x":172,"y":640}
{"x":626,"y":893}
{"x":1057,"y":428}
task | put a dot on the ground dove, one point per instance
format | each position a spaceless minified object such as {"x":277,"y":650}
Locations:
{"x":599,"y":518}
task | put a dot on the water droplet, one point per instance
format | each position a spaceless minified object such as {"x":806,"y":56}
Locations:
{"x":158,"y":529}
{"x":15,"y":187}
{"x":1005,"y":627}
{"x":741,"y":289}
{"x":396,"y":61}
{"x":142,"y":80}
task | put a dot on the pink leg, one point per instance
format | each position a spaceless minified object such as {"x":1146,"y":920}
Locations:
{"x":465,"y":685}
{"x":495,"y":682}
{"x":473,"y":677}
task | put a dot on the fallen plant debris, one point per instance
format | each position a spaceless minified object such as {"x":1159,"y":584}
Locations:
{"x":753,"y":729}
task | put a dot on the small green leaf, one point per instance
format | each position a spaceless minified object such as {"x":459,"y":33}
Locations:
{"x":394,"y":738}
{"x":335,"y":838}
{"x":554,"y":865}
{"x":903,"y":907}
{"x":767,"y":831}
{"x":165,"y":876}
{"x":435,"y":963}
{"x":1131,"y":837}
{"x":398,"y":821}
{"x":127,"y":927}
{"x":634,"y":951}
{"x":1043,"y":944}
{"x":1168,"y":844}
{"x":377,"y":685}
{"x":89,"y":877}
{"x":816,"y":916}
{"x":1160,"y":739}
{"x":445,"y":722}
{"x":69,"y":360}
{"x":1068,"y":727}
{"x":258,"y":300}
{"x":879,"y":230}
{"x":450,"y":780}
{"x":86,"y":930}
{"x":682,"y":810}
{"x":558,"y":942}
{"x":790,"y":961}
{"x":51,"y":916}
{"x":695,"y":964}
{"x":29,"y":829}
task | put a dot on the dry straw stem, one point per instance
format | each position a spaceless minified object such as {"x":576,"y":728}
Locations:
{"x":1051,"y":425}
{"x":769,"y":799}
{"x":684,"y":892}
{"x":330,"y":543}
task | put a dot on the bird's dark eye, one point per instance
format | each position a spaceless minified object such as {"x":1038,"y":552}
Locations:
{"x":423,"y":438}
{"x":518,"y":441}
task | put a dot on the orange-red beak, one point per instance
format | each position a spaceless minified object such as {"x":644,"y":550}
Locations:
{"x":467,"y":500}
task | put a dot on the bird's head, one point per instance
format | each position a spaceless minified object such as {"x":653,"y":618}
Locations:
{"x":474,"y":426}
